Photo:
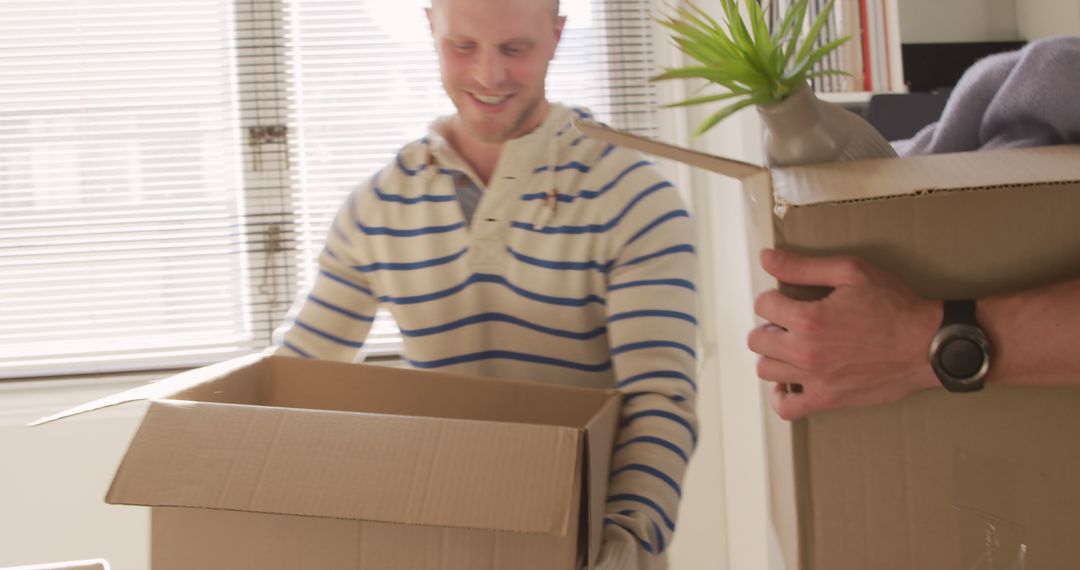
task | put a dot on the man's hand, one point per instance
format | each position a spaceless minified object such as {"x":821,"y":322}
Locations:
{"x":864,"y":343}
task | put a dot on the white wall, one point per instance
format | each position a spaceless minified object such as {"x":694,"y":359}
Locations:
{"x":1041,"y":18}
{"x":723,"y":522}
{"x":932,"y":21}
{"x":53,"y":478}
{"x":711,"y":535}
{"x":736,"y":420}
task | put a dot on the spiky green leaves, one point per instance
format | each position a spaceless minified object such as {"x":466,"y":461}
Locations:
{"x":740,"y":54}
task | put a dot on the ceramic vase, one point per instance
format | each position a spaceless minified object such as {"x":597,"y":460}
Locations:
{"x":803,"y":129}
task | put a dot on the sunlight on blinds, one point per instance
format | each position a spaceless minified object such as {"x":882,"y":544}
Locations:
{"x":119,"y":185}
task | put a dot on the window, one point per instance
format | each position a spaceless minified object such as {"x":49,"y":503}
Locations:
{"x":168,"y":168}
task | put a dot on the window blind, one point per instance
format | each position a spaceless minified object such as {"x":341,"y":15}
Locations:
{"x":168,"y":169}
{"x":119,"y":186}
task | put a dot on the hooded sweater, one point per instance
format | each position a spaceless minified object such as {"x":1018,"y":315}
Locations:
{"x":577,"y":268}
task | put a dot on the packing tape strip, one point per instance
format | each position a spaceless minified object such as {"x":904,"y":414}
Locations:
{"x":985,"y":498}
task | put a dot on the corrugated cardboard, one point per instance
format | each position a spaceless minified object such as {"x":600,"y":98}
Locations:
{"x":277,"y":462}
{"x":983,"y":481}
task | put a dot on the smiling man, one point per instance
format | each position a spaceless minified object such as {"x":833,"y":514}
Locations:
{"x":494,"y":77}
{"x":507,"y":245}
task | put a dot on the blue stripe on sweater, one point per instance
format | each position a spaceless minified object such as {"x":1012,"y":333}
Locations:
{"x":503,"y":318}
{"x":332,"y":338}
{"x":593,"y":194}
{"x":654,"y":282}
{"x":408,"y":171}
{"x":590,"y":194}
{"x":647,"y":344}
{"x":410,"y":265}
{"x":593,"y":228}
{"x":497,"y":280}
{"x":633,"y":498}
{"x":644,"y":544}
{"x":661,"y":414}
{"x":397,"y":232}
{"x":655,"y":441}
{"x":346,"y":282}
{"x":656,"y":374}
{"x":651,"y":471}
{"x":340,"y":310}
{"x":658,"y":221}
{"x":635,"y":395}
{"x":659,"y":536}
{"x":414,"y":171}
{"x":652,"y":313}
{"x":398,"y":198}
{"x":656,"y":530}
{"x":681,"y":248}
{"x":295,"y":348}
{"x":573,"y":164}
{"x":602,"y":267}
{"x":511,"y":355}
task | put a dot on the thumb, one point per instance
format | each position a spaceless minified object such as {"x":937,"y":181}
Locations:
{"x":803,"y":269}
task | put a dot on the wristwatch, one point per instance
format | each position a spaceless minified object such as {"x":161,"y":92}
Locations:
{"x":960,"y":352}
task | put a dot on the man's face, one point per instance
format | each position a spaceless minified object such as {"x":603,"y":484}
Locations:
{"x":494,"y":56}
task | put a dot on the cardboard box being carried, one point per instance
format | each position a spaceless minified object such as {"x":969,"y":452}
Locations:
{"x":983,"y":481}
{"x":284,"y":463}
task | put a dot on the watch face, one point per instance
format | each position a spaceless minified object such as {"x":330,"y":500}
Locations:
{"x":960,"y":356}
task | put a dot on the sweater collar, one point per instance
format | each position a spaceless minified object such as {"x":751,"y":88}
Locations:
{"x":520,"y":156}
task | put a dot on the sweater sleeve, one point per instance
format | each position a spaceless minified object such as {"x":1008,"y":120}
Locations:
{"x":652,"y":327}
{"x":332,"y":318}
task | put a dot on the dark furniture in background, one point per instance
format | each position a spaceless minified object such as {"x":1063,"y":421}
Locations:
{"x":931,"y":67}
{"x":930,"y":71}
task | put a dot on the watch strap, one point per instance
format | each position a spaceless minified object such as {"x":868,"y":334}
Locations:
{"x":959,"y":311}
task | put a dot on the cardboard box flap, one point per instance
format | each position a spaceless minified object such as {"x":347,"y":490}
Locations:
{"x":301,"y":383}
{"x":847,"y":181}
{"x":160,"y":389}
{"x":373,"y":467}
{"x":883,"y":178}
{"x":726,"y":166}
{"x":599,"y":441}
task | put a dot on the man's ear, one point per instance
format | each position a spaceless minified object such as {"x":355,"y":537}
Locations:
{"x":560,"y":22}
{"x":430,"y":20}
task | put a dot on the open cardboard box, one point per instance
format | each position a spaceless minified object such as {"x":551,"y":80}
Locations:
{"x":273,"y":462}
{"x":984,"y":481}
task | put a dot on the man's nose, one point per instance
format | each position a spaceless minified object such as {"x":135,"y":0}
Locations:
{"x":490,"y":70}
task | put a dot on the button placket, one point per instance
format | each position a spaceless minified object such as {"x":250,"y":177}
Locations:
{"x":491,"y":224}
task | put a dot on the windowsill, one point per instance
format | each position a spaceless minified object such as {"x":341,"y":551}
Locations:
{"x":25,"y":400}
{"x":96,"y":381}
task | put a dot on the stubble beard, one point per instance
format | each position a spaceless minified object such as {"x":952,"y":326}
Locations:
{"x":487,"y":136}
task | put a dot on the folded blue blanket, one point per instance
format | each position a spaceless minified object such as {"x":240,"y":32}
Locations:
{"x":1028,"y":97}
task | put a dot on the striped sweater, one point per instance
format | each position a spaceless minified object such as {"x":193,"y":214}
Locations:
{"x":577,"y":268}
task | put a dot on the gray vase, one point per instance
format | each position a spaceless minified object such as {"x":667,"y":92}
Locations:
{"x":803,"y":129}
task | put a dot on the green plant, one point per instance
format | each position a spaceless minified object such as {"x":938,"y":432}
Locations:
{"x":755,"y":66}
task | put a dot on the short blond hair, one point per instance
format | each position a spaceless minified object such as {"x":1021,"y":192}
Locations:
{"x":555,"y":6}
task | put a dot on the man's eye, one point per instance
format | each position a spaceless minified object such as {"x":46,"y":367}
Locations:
{"x":463,"y":48}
